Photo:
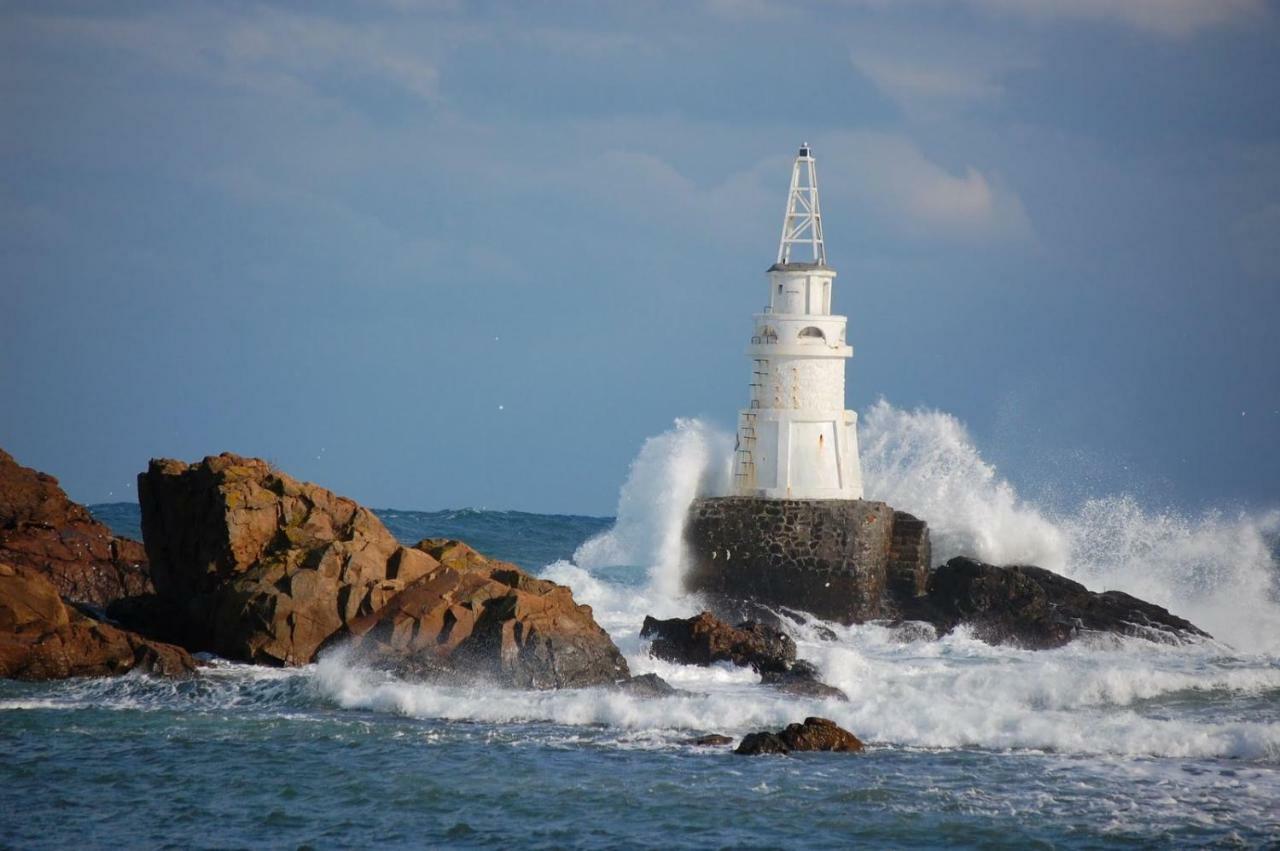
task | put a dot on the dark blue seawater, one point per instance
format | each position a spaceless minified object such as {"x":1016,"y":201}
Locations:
{"x":529,"y":540}
{"x":1109,"y":745}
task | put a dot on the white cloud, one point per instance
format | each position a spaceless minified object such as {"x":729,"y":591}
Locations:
{"x":268,"y":51}
{"x":883,"y":180}
{"x":1174,"y":18}
{"x":889,"y":177}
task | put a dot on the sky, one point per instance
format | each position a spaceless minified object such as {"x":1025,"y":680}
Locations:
{"x":447,"y":254}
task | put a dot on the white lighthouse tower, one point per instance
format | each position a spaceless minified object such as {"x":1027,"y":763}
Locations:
{"x":796,"y":440}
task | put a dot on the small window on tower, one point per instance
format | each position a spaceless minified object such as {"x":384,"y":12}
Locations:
{"x":779,"y":289}
{"x":812,"y":334}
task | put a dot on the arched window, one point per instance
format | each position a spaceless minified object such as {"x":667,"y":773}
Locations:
{"x":812,"y":335}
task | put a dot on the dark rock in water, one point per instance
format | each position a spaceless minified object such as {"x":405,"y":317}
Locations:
{"x":755,"y":744}
{"x":843,"y":560}
{"x":648,"y":685}
{"x":42,"y":529}
{"x":711,"y":740}
{"x":1037,"y":608}
{"x":801,"y":679}
{"x":41,"y":638}
{"x":815,"y":734}
{"x":254,"y":565}
{"x":705,"y":639}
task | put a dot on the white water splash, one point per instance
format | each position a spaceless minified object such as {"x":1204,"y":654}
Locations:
{"x":1216,"y":570}
{"x":1091,"y":697}
{"x":672,"y":469}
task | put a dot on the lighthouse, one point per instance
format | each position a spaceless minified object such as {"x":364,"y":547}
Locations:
{"x":795,"y":439}
{"x":795,"y":532}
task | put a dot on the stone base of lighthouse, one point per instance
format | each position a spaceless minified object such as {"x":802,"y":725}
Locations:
{"x":840,"y":559}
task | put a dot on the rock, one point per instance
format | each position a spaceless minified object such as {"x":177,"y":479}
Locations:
{"x":263,"y":568}
{"x":42,"y":529}
{"x":41,"y":638}
{"x":755,"y":744}
{"x":474,"y":616}
{"x":256,"y":566}
{"x":801,"y":679}
{"x":815,"y":734}
{"x":705,"y":639}
{"x":1037,"y":608}
{"x":648,"y":685}
{"x":711,"y":740}
{"x":843,"y":560}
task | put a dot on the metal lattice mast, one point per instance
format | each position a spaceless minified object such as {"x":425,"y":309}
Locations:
{"x":803,"y":222}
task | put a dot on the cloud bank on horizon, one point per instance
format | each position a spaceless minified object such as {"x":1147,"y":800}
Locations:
{"x":468,"y":247}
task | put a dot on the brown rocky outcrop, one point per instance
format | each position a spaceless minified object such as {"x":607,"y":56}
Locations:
{"x":815,"y":734}
{"x":254,"y":565}
{"x":263,"y":568}
{"x":42,"y":638}
{"x":489,"y":618}
{"x":705,"y":639}
{"x":42,"y":529}
{"x":1036,"y":608}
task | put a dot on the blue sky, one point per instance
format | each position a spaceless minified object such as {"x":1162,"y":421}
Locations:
{"x":341,"y":236}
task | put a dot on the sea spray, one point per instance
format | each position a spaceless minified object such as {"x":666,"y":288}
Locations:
{"x":1104,"y":696}
{"x":1219,"y":571}
{"x":671,"y":470}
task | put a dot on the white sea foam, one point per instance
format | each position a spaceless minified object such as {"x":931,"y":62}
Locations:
{"x":1216,"y":570}
{"x":672,"y":469}
{"x":1108,"y":696}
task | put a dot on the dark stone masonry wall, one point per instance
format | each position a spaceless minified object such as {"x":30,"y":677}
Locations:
{"x":843,"y":560}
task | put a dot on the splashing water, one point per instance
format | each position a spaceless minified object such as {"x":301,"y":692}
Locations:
{"x":672,"y":469}
{"x":1107,"y":741}
{"x":1220,"y":572}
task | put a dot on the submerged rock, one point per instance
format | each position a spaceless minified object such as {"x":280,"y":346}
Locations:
{"x":711,"y":740}
{"x":42,"y":529}
{"x":1037,"y":608}
{"x":815,"y":734}
{"x":254,"y":565}
{"x":42,"y":638}
{"x":705,"y":639}
{"x":801,"y":679}
{"x":648,"y":685}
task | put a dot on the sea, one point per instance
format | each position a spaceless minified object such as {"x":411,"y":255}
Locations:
{"x":1105,"y":743}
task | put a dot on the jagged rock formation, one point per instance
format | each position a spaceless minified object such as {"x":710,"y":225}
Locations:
{"x":42,"y":529}
{"x":843,"y":560}
{"x":1037,"y":608}
{"x":41,"y":638}
{"x":491,"y":619}
{"x":260,"y":567}
{"x":815,"y":734}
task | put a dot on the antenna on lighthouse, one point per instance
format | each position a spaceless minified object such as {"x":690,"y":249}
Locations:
{"x":803,"y":223}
